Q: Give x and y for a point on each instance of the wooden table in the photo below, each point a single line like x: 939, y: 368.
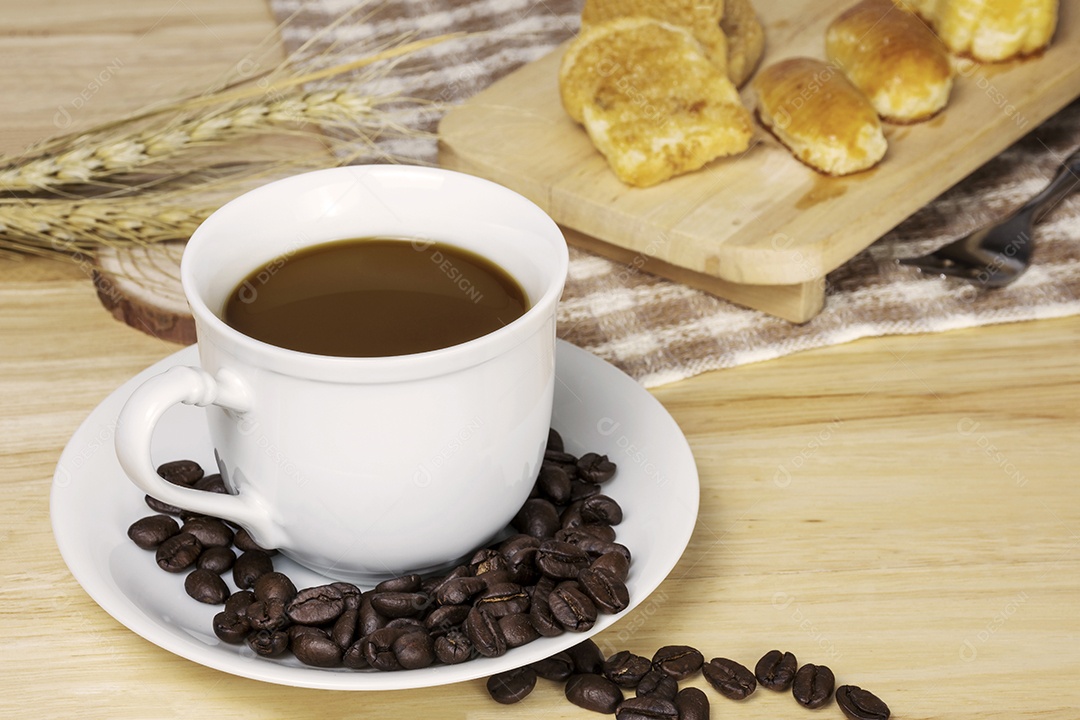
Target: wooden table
x: 905, y: 510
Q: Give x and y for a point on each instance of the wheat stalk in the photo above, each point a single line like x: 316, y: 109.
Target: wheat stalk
x: 156, y: 174
x: 90, y: 163
x: 48, y: 227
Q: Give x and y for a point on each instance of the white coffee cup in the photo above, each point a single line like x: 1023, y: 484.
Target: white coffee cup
x: 363, y: 468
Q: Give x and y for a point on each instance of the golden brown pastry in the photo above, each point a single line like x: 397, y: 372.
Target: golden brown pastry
x: 990, y: 30
x: 893, y: 57
x: 650, y: 100
x: 700, y: 17
x: 745, y: 39
x: 813, y: 109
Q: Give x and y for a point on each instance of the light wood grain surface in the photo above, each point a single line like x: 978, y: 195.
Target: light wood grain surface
x: 904, y: 510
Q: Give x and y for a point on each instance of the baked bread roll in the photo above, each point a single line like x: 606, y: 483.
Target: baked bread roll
x: 650, y: 100
x: 897, y: 62
x: 824, y: 120
x: 700, y: 17
x: 990, y: 30
x: 745, y: 39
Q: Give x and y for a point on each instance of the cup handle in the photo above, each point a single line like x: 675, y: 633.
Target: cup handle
x: 135, y: 429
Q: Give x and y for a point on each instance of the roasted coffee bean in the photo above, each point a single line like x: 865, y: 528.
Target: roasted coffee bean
x: 601, y: 509
x: 485, y: 633
x: 657, y: 683
x: 558, y: 667
x: 607, y: 593
x: 692, y: 704
x: 732, y: 680
x: 230, y: 627
x: 181, y: 472
x: 572, y: 608
x: 316, y: 605
x: 561, y: 560
x: 296, y: 631
x: 554, y: 441
x: 487, y: 560
x: 582, y: 490
x: 238, y: 602
x: 521, y: 567
x: 593, y: 692
x: 316, y: 649
x: 614, y: 564
x: 587, y: 656
x: 571, y: 514
x: 516, y: 543
x: 859, y: 704
x: 596, y: 468
x: 594, y: 539
x: 354, y: 658
x: 399, y: 604
x: 206, y: 587
x: 370, y: 619
x: 178, y: 553
x: 267, y: 615
x: 274, y: 586
x: 647, y: 707
x: 776, y: 670
x: 518, y: 630
x: 813, y: 685
x: 540, y: 609
x: 268, y: 643
x: 678, y: 661
x: 409, y: 624
x: 446, y: 617
x: 496, y: 577
x: 626, y: 669
x: 378, y: 648
x: 249, y: 567
x: 343, y: 632
x: 162, y: 507
x: 538, y: 517
x: 511, y: 686
x: 414, y: 649
x: 503, y: 599
x: 460, y: 590
x: 151, y: 531
x: 402, y: 583
x: 218, y: 560
x: 244, y: 543
x: 452, y: 648
x: 560, y: 457
x: 211, y: 484
x: 349, y: 593
x: 210, y: 531
x: 554, y: 484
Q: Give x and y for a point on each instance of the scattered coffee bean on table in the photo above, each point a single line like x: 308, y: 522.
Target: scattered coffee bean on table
x: 731, y: 679
x: 776, y: 670
x: 594, y: 692
x: 512, y: 686
x: 813, y: 685
x: 559, y: 573
x: 859, y: 704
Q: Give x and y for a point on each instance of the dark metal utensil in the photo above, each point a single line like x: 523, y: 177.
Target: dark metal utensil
x: 996, y: 255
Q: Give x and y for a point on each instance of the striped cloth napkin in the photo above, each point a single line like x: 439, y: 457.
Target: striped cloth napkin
x: 659, y: 331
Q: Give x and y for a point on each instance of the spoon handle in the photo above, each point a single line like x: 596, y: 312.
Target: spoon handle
x: 1065, y: 181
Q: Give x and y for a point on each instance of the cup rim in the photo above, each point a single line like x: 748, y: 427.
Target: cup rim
x: 381, y: 368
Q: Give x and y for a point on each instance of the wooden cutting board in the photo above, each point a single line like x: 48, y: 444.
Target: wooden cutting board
x: 760, y: 229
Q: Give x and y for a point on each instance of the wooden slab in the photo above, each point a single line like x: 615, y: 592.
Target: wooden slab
x: 762, y: 218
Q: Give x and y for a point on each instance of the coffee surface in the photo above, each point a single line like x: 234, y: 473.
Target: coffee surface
x: 374, y: 297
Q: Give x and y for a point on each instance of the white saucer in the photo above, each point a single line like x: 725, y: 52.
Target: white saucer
x: 597, y: 408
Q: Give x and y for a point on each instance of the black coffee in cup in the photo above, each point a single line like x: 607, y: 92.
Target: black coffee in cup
x: 374, y: 297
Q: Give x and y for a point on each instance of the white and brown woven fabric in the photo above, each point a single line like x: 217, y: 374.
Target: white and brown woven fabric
x: 659, y: 331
